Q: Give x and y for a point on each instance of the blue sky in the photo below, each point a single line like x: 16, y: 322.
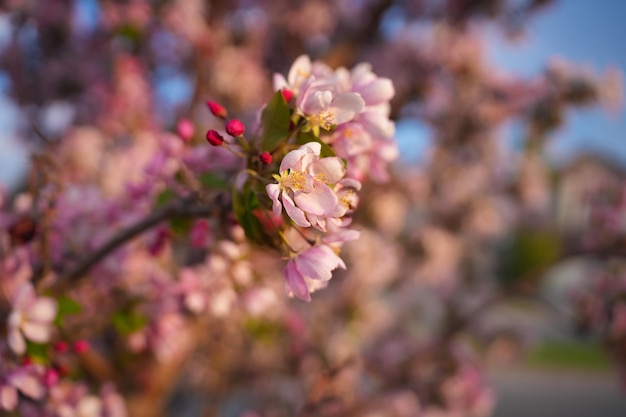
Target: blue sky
x: 582, y: 32
x: 588, y: 33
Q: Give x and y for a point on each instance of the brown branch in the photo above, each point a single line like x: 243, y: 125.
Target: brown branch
x: 185, y: 207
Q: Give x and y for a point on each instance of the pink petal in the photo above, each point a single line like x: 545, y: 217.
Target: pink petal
x: 318, y: 262
x: 341, y: 236
x: 23, y: 297
x: 28, y: 384
x: 312, y: 147
x: 332, y: 169
x: 273, y: 191
x: 16, y: 341
x: 43, y: 310
x: 8, y: 397
x: 36, y: 332
x: 377, y: 92
x: 299, y: 71
x: 295, y: 282
x: 296, y: 214
x: 293, y: 160
x: 346, y: 106
x: 362, y: 74
x: 279, y: 82
x: 320, y: 201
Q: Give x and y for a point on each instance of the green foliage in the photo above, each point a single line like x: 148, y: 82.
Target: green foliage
x: 276, y: 120
x: 66, y: 306
x: 163, y: 198
x: 569, y: 355
x: 264, y: 331
x: 245, y: 202
x: 181, y: 225
x: 306, y: 137
x: 38, y: 352
x: 529, y: 252
x: 127, y: 322
x: 212, y: 181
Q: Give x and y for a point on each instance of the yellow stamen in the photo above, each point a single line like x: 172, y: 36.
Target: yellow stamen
x: 292, y: 179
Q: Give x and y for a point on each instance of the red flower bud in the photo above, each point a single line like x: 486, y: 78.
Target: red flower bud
x: 266, y: 158
x: 217, y: 109
x: 60, y: 347
x: 81, y: 346
x: 234, y: 127
x: 287, y: 94
x: 214, y: 138
x: 50, y: 377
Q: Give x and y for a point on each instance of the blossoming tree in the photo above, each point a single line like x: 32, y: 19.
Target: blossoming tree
x: 156, y: 258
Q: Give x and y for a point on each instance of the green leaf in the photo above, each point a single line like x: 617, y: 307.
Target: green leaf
x: 212, y: 181
x: 275, y: 121
x: 306, y: 137
x: 127, y: 322
x: 66, y: 306
x: 244, y: 204
x: 37, y: 351
x: 529, y: 252
x: 164, y: 197
x: 181, y: 225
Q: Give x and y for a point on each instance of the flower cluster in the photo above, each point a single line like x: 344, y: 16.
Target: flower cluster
x: 350, y: 109
x: 349, y: 113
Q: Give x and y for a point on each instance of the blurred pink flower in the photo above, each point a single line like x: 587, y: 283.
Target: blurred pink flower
x: 31, y: 317
x: 315, y: 263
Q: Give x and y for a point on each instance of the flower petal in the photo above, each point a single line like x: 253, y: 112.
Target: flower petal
x: 16, y: 340
x: 8, y: 397
x: 320, y: 201
x: 23, y: 297
x: 273, y: 191
x: 28, y: 384
x: 296, y: 214
x: 43, y: 310
x: 37, y: 332
x: 293, y: 160
x: 331, y: 168
x: 379, y: 91
x: 318, y: 262
x: 294, y: 282
x: 346, y: 106
x: 300, y: 70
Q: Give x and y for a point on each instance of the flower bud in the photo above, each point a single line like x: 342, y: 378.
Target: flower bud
x: 287, y: 94
x: 266, y: 158
x: 214, y: 138
x: 185, y: 129
x: 235, y: 128
x: 217, y: 109
x: 81, y: 346
x: 60, y: 347
x: 50, y: 377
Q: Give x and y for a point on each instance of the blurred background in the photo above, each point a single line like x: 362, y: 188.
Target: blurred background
x: 501, y: 232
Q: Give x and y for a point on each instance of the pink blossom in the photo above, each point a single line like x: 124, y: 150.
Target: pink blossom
x: 314, y: 264
x: 304, y: 186
x: 324, y: 108
x: 31, y: 317
x: 299, y: 72
x: 26, y: 380
x: 185, y: 129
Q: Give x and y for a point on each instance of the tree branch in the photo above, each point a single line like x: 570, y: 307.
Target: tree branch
x: 185, y: 207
